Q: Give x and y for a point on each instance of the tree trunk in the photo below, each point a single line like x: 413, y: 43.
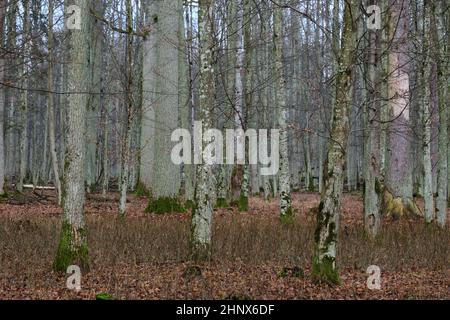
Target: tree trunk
x: 327, y: 228
x: 73, y: 249
x: 95, y: 98
x: 282, y: 114
x: 2, y: 101
x: 161, y: 76
x: 398, y: 189
x: 437, y: 32
x: 426, y: 110
x: 24, y: 97
x: 51, y: 105
x: 203, y: 211
x: 126, y: 149
x: 373, y: 181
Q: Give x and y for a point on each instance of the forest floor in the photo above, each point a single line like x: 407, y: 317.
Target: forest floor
x: 254, y: 256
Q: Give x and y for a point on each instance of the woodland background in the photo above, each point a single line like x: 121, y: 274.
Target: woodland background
x: 90, y: 92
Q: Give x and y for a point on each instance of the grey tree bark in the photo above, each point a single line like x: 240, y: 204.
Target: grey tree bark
x: 442, y: 65
x: 129, y: 112
x: 282, y: 114
x: 51, y: 104
x: 327, y: 227
x: 373, y: 180
x: 398, y: 187
x: 202, y: 215
x: 73, y: 248
x: 426, y: 111
x: 161, y: 110
x: 2, y: 101
x: 24, y: 96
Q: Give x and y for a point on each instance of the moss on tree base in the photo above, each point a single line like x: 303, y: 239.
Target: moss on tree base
x: 72, y: 249
x: 288, y: 217
x: 221, y: 203
x: 243, y: 203
x: 165, y: 205
x: 141, y: 190
x: 324, y: 271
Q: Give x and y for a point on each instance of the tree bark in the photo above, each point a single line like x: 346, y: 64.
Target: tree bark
x: 51, y: 104
x: 282, y: 114
x: 2, y: 101
x: 73, y: 248
x: 398, y: 188
x: 24, y: 97
x: 373, y: 181
x: 326, y: 234
x: 202, y: 215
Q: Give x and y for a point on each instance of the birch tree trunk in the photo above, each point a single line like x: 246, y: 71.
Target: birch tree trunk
x: 73, y: 248
x: 327, y: 228
x: 240, y: 170
x: 203, y: 211
x: 373, y: 181
x: 282, y: 114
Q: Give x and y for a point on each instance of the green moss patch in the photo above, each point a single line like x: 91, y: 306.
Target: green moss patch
x: 104, y: 296
x: 141, y: 190
x: 325, y: 272
x: 165, y: 205
x: 221, y: 203
x: 71, y: 252
x: 243, y: 203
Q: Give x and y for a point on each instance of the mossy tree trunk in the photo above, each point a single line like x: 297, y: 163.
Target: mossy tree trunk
x: 73, y: 249
x: 201, y: 225
x: 324, y: 260
x: 398, y: 180
x: 282, y: 116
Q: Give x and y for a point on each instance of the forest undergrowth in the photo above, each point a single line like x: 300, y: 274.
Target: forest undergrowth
x: 254, y: 256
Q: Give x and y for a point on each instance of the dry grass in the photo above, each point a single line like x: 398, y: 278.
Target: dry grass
x: 32, y: 242
x: 251, y: 241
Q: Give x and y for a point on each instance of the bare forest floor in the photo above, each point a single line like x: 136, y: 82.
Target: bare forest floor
x: 145, y: 256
